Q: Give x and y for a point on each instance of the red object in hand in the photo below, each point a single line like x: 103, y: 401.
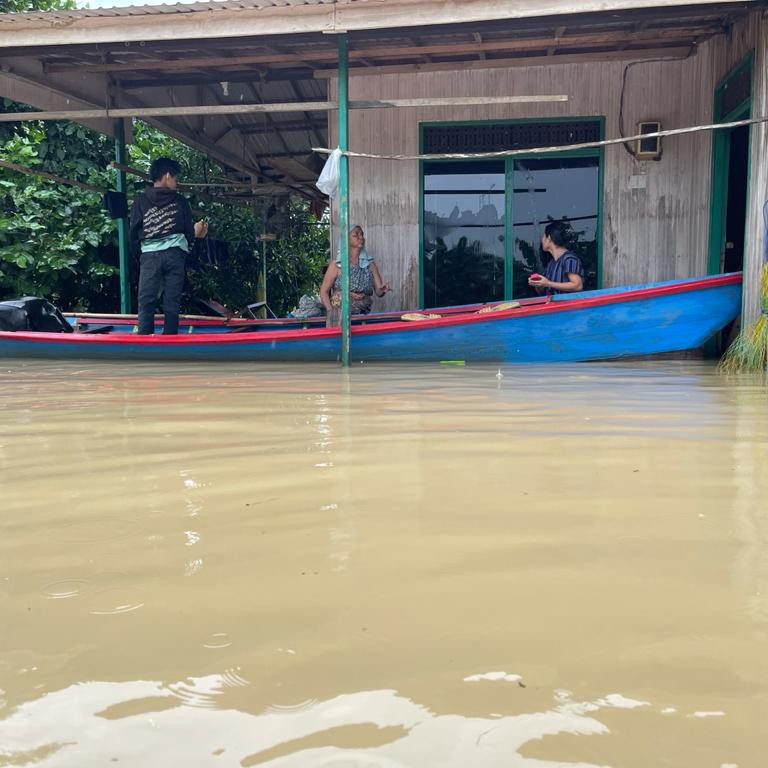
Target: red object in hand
x: 536, y: 276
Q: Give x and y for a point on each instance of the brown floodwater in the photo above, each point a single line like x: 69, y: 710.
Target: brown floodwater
x: 417, y: 566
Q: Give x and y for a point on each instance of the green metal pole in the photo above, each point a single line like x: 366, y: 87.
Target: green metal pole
x: 122, y: 224
x: 344, y: 197
x: 263, y: 296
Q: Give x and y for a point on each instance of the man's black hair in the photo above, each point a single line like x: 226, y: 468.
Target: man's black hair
x: 560, y: 233
x: 163, y: 165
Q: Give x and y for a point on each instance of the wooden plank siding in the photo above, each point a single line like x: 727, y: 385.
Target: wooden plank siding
x: 754, y: 255
x: 725, y: 53
x: 656, y: 233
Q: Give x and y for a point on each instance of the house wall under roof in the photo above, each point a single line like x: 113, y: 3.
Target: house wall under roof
x: 656, y: 233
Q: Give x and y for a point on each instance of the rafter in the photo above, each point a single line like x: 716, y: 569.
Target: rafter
x: 285, y: 125
x: 478, y: 38
x: 671, y: 52
x: 647, y: 36
x: 559, y: 32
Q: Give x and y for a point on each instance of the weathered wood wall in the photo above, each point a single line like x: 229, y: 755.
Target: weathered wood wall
x: 656, y: 233
x: 754, y: 255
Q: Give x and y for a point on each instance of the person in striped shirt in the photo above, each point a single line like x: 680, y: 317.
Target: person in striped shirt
x: 564, y: 272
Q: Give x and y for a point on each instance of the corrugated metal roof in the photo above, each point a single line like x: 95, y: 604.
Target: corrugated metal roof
x: 162, y: 9
x: 576, y: 6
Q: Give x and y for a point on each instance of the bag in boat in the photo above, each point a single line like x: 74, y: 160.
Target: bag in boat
x: 309, y: 306
x: 32, y: 314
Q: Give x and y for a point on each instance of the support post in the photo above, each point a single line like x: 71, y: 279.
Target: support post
x: 263, y: 291
x: 343, y: 98
x: 757, y: 193
x: 122, y: 224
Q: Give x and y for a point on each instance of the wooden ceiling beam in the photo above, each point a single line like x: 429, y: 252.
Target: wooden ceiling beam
x: 478, y: 38
x: 279, y: 135
x: 254, y: 129
x: 299, y: 97
x: 221, y: 135
x: 559, y: 32
x: 671, y: 52
x: 143, y: 110
x: 271, y: 76
x: 281, y: 52
x: 646, y: 36
x: 307, y: 116
x: 236, y: 120
x: 206, y: 146
x: 283, y: 155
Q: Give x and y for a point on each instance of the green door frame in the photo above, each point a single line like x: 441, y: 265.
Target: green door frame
x: 508, y: 190
x: 721, y: 147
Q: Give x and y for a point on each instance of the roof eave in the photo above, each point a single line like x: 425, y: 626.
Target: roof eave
x: 219, y: 21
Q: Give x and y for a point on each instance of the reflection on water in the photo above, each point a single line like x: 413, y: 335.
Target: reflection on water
x: 419, y: 737
x: 403, y: 566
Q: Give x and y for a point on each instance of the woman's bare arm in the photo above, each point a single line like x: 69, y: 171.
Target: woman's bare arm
x: 378, y: 284
x: 575, y: 283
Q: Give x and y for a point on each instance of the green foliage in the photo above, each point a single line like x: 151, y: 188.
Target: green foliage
x: 22, y: 6
x: 54, y: 240
x: 749, y: 351
x: 57, y: 242
x: 294, y: 262
x: 149, y: 143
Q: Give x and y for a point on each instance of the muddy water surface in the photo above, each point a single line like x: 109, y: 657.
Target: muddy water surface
x: 405, y: 566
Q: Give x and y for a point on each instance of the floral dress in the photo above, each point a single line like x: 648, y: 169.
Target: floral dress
x: 360, y: 293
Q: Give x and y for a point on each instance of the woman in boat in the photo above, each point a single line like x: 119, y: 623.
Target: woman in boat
x: 564, y: 272
x: 364, y: 280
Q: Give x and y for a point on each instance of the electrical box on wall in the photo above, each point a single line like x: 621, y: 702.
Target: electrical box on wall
x: 648, y: 149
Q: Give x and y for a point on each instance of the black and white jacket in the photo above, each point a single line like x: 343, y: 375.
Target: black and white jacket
x: 159, y: 212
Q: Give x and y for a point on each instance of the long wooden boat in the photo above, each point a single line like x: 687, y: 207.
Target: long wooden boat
x: 594, y: 325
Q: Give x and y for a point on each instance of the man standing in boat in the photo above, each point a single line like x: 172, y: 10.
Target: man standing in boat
x: 162, y: 230
x: 565, y: 272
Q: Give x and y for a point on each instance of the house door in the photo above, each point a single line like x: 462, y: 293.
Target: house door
x: 730, y: 179
x: 730, y: 172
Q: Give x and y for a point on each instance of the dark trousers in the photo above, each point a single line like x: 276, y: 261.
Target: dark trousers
x: 161, y: 270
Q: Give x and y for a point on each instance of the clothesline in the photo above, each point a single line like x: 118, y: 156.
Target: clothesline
x: 545, y: 150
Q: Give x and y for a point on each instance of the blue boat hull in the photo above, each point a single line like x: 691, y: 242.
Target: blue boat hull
x: 613, y: 323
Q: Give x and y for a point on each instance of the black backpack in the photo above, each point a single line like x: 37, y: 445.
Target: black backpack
x: 32, y: 314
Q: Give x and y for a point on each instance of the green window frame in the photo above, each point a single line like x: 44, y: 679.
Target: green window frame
x: 599, y: 153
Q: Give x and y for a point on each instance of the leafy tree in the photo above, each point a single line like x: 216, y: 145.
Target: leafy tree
x: 56, y: 240
x: 21, y: 6
x: 227, y: 267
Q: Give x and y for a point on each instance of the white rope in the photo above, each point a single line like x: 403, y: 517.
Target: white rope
x: 545, y: 150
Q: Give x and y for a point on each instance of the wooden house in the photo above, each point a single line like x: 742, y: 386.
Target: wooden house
x: 255, y: 84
